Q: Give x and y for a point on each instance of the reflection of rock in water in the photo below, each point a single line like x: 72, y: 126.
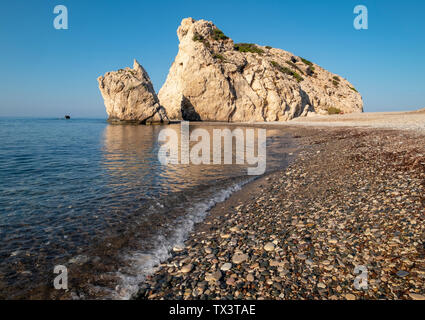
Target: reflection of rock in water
x: 125, y: 146
x: 130, y: 157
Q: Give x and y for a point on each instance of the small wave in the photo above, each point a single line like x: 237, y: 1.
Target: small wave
x: 143, y: 264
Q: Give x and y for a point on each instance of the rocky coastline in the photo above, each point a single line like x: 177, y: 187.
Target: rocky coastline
x: 215, y: 79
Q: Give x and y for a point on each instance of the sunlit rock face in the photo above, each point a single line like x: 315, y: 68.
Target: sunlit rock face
x: 129, y: 96
x: 212, y: 79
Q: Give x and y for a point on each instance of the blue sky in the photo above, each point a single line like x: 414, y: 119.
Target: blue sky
x: 46, y: 72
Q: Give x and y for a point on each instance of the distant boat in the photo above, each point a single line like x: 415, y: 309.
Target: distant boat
x: 67, y: 117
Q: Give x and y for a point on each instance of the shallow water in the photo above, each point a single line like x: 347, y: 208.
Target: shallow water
x: 86, y: 193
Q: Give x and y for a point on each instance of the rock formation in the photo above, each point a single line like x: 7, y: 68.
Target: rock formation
x: 212, y: 79
x: 130, y: 97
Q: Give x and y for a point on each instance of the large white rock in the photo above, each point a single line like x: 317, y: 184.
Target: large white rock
x: 129, y: 96
x: 212, y: 81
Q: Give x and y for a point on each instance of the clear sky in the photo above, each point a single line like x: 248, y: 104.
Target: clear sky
x: 46, y: 72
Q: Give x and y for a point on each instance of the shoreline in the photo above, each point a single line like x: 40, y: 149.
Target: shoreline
x: 289, y: 235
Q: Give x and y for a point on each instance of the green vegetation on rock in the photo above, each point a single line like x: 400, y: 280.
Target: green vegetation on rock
x: 309, y: 63
x: 287, y: 71
x: 293, y: 65
x: 333, y: 110
x: 219, y: 57
x: 219, y: 35
x: 248, y: 47
x: 197, y: 37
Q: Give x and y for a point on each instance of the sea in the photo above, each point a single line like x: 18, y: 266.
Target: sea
x: 94, y: 198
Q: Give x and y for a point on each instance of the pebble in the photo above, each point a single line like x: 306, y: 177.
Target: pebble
x: 269, y: 247
x: 178, y: 248
x: 274, y: 263
x: 321, y: 285
x: 239, y: 258
x: 79, y: 260
x: 187, y: 268
x: 416, y: 296
x: 402, y: 273
x: 215, y: 276
x: 226, y: 267
x: 14, y: 253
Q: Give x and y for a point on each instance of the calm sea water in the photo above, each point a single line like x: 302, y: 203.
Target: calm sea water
x: 94, y: 197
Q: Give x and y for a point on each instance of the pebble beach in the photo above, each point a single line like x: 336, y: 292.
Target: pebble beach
x: 353, y: 197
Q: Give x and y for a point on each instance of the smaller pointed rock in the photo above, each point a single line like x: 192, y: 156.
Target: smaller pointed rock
x: 129, y: 96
